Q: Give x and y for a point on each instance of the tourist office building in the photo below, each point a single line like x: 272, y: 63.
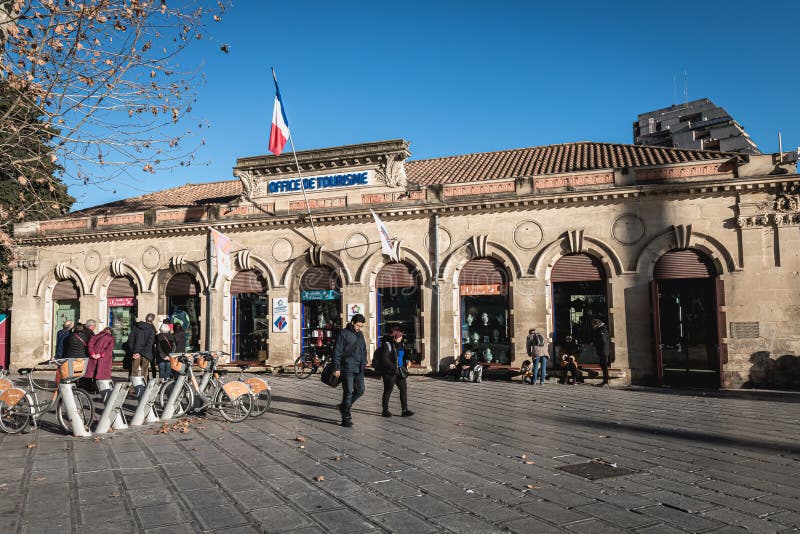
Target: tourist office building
x: 690, y: 257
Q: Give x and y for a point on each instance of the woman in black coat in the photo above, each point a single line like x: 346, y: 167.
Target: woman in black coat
x: 392, y: 365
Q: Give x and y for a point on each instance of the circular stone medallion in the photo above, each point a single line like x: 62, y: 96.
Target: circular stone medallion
x: 91, y: 261
x: 282, y: 249
x: 151, y: 257
x: 356, y: 246
x: 444, y: 241
x: 627, y: 229
x: 528, y: 234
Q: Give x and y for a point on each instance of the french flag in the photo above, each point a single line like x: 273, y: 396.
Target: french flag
x: 279, y: 133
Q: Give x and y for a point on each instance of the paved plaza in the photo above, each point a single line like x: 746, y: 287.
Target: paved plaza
x: 492, y: 457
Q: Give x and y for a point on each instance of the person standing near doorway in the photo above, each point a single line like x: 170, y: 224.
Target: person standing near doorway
x: 141, y: 343
x: 61, y: 338
x: 537, y: 349
x: 601, y: 346
x: 350, y: 360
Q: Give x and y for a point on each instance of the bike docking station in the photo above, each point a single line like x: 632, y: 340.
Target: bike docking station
x: 112, y: 414
x: 145, y: 413
x: 75, y: 420
x: 177, y: 388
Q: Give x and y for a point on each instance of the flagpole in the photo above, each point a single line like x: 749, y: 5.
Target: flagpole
x: 299, y: 175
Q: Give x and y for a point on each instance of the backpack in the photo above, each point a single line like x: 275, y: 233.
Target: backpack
x: 538, y: 340
x: 376, y: 359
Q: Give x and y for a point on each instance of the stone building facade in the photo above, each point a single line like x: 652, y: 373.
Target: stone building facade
x: 690, y: 257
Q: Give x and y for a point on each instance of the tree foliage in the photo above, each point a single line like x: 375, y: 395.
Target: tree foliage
x: 90, y: 90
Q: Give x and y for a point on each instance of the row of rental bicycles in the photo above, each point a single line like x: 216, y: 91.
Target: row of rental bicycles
x: 197, y: 385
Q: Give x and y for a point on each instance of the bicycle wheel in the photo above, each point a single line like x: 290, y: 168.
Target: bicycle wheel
x: 15, y: 419
x: 182, y: 404
x: 261, y: 403
x: 85, y: 406
x: 234, y: 410
x: 44, y: 378
x: 303, y: 368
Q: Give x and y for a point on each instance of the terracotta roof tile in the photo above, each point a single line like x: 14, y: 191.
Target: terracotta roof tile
x: 177, y: 197
x: 506, y: 164
x: 552, y: 159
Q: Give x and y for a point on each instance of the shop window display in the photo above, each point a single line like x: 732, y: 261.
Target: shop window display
x: 250, y: 327
x: 121, y: 315
x: 484, y: 327
x: 575, y: 305
x: 321, y: 320
x: 400, y: 307
x: 186, y: 312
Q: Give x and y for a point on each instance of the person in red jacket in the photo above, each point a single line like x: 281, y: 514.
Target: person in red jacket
x: 101, y: 355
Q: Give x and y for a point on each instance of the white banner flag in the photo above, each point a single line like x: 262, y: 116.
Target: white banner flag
x: 221, y: 245
x: 386, y: 238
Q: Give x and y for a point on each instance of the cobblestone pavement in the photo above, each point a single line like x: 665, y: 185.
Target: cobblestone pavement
x: 475, y: 458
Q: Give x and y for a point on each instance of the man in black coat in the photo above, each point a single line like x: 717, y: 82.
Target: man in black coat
x: 602, y: 346
x: 350, y: 360
x: 140, y: 342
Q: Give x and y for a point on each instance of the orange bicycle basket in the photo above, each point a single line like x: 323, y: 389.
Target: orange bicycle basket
x: 177, y: 366
x: 72, y: 368
x: 201, y: 362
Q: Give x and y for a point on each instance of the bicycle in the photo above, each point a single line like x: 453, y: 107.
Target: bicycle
x: 307, y: 364
x: 42, y: 375
x: 233, y: 400
x: 259, y: 388
x: 21, y: 407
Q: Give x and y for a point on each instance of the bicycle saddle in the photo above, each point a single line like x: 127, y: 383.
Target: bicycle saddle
x: 25, y: 371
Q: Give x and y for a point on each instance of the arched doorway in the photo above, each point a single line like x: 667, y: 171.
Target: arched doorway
x: 397, y: 289
x: 66, y: 306
x: 122, y: 311
x: 579, y: 296
x: 249, y: 311
x: 321, y: 310
x: 485, y: 329
x: 685, y: 313
x: 183, y: 306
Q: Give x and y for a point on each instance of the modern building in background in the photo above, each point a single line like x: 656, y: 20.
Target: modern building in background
x: 697, y: 125
x: 690, y: 256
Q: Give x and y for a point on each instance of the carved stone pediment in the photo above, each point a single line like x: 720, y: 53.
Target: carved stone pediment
x: 386, y: 159
x: 782, y: 210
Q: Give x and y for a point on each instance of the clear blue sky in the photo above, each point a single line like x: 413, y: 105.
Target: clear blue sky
x: 461, y: 77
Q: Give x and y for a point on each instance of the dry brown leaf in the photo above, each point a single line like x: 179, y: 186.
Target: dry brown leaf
x: 115, y: 494
x: 301, y: 439
x: 39, y: 479
x: 301, y: 447
x: 530, y: 486
x: 338, y: 458
x: 30, y: 446
x: 528, y: 462
x: 524, y: 456
x: 319, y: 478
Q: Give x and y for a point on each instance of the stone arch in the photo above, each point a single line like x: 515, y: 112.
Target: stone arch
x: 452, y: 264
x: 291, y: 277
x: 104, y: 278
x: 62, y: 271
x: 543, y: 263
x: 161, y: 277
x: 719, y: 255
x: 375, y: 262
x: 254, y: 263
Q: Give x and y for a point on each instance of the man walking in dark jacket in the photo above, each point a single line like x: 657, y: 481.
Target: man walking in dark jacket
x: 350, y: 360
x: 602, y: 346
